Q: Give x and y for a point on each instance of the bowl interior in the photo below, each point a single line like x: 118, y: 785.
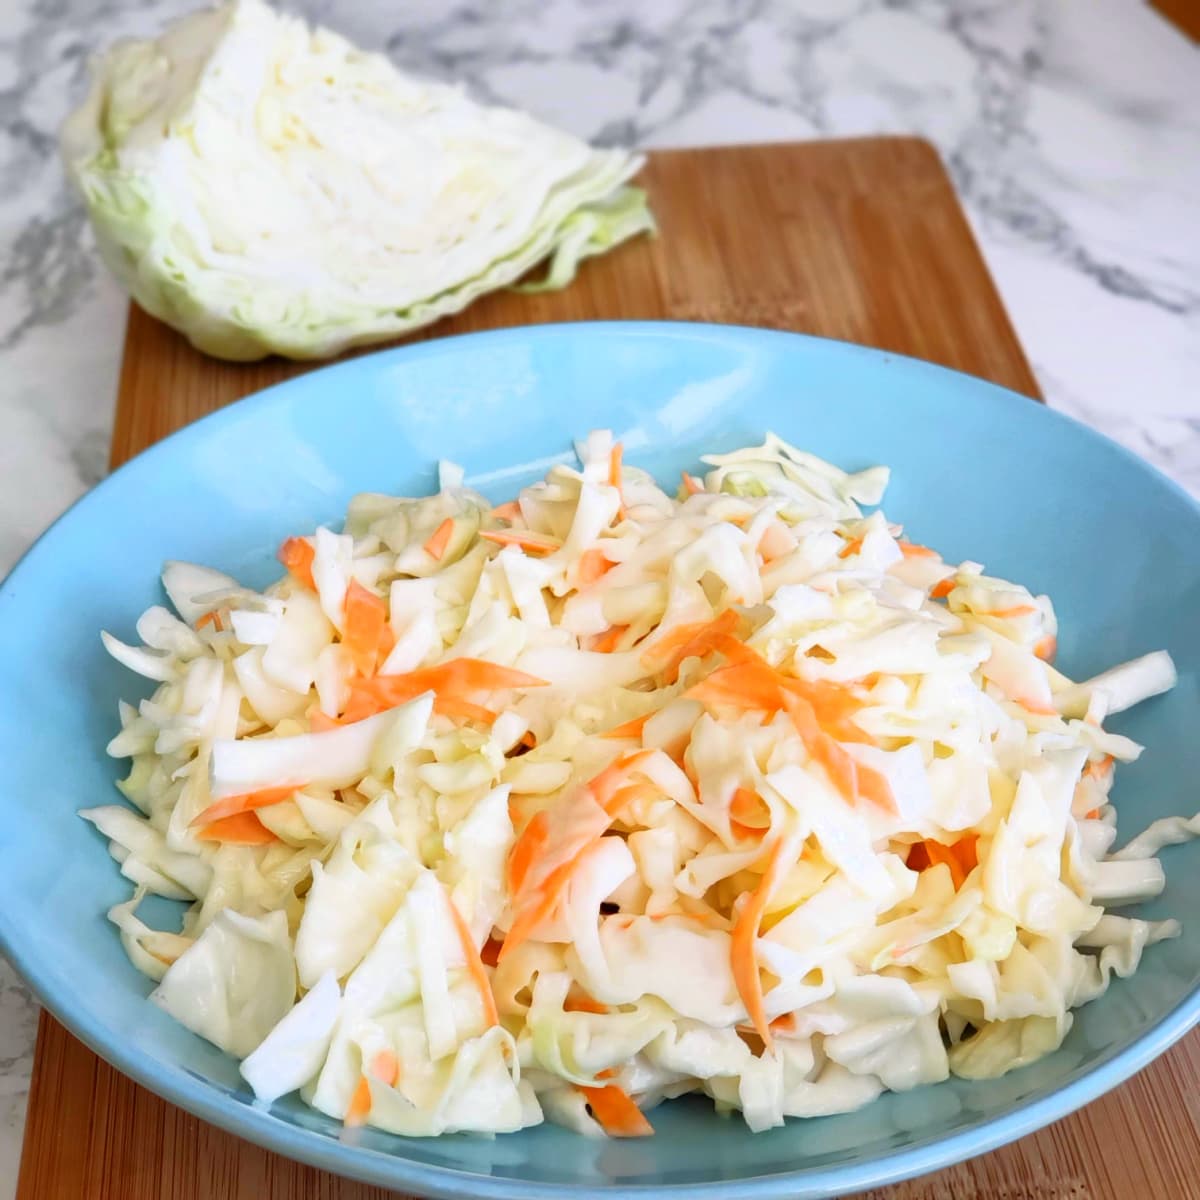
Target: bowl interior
x: 977, y: 472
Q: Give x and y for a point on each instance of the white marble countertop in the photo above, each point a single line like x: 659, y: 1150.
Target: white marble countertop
x: 1072, y: 132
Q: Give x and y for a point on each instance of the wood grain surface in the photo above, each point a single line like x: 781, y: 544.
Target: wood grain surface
x: 1183, y: 14
x: 862, y: 240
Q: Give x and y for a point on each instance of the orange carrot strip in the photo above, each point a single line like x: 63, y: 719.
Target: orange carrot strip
x: 544, y: 900
x: 961, y: 858
x: 741, y: 685
x: 873, y: 786
x: 454, y: 706
x: 593, y: 565
x: 509, y: 511
x: 853, y: 546
x: 616, y: 1112
x: 439, y: 539
x: 1017, y: 610
x: 531, y: 842
x: 321, y: 722
x: 912, y: 550
x: 579, y: 1001
x: 359, y: 1107
x: 966, y: 850
x: 245, y: 802
x: 297, y: 555
x: 942, y: 588
x: 715, y: 636
x: 628, y: 729
x: 614, y: 476
x: 385, y: 1066
x: 531, y: 543
x: 606, y: 642
x: 1046, y: 648
x: 605, y: 786
x: 447, y: 680
x: 366, y: 618
x: 748, y: 810
x: 212, y: 618
x: 743, y: 957
x: 474, y: 965
x: 632, y: 792
x: 691, y: 484
x: 1099, y: 770
x: 242, y: 829
x: 1091, y: 814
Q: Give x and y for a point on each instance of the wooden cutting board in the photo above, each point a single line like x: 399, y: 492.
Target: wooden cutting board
x: 862, y: 240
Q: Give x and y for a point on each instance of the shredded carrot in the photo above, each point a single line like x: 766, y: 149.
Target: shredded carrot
x: 852, y: 546
x: 439, y: 539
x: 242, y: 829
x: 593, y: 565
x: 321, y: 722
x: 748, y: 810
x: 359, y: 1107
x: 605, y: 786
x: 528, y: 739
x: 455, y: 706
x: 1046, y: 648
x: 544, y: 900
x: 1091, y: 814
x: 366, y: 619
x: 449, y: 681
x: 526, y: 848
x: 385, y: 1066
x: 633, y: 792
x: 616, y: 1112
x: 746, y: 833
x: 474, y: 965
x: 533, y: 905
x: 297, y: 555
x: 614, y: 477
x: 691, y: 484
x: 628, y: 729
x: 740, y: 685
x: 912, y: 550
x: 530, y: 542
x: 711, y: 636
x: 942, y: 588
x: 606, y: 642
x: 873, y: 786
x: 212, y: 618
x: 743, y: 955
x: 1017, y: 610
x: 579, y: 1001
x: 509, y: 511
x: 245, y: 802
x: 1101, y: 769
x: 960, y: 858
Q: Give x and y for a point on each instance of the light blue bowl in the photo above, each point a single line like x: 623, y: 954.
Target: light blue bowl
x: 977, y: 472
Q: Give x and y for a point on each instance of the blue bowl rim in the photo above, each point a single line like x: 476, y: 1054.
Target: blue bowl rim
x: 255, y: 1124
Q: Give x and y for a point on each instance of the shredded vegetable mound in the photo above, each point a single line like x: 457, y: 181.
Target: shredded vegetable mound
x: 552, y: 810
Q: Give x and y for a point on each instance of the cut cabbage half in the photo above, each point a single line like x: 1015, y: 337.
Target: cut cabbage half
x: 266, y: 188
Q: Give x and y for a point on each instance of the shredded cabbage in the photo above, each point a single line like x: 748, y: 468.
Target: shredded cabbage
x: 560, y: 809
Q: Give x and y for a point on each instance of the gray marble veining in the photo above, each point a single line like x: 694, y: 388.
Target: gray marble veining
x: 1072, y: 132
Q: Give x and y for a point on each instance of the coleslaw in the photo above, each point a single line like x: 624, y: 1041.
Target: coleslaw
x: 554, y: 810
